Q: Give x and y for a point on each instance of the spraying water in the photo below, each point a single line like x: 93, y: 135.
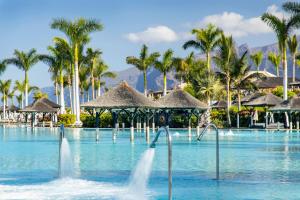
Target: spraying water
x: 66, y: 163
x: 139, y: 177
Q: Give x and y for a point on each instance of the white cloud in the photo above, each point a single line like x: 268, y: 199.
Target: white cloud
x: 153, y: 35
x: 237, y: 25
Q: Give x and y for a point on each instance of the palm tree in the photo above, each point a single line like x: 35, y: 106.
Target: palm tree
x: 20, y: 100
x: 39, y: 94
x: 4, y: 88
x: 143, y: 63
x: 282, y: 28
x: 78, y: 33
x: 69, y: 67
x: 164, y: 66
x: 182, y: 66
x: 92, y: 57
x: 11, y: 95
x: 206, y: 40
x: 57, y: 64
x: 100, y: 72
x: 257, y: 59
x: 24, y: 61
x: 241, y: 79
x: 20, y: 87
x: 223, y: 60
x: 275, y: 60
x: 83, y: 84
x: 293, y: 47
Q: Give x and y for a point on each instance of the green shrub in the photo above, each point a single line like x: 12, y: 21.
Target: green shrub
x: 90, y: 121
x: 279, y: 92
x: 66, y: 119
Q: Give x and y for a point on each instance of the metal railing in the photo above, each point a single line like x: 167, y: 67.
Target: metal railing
x: 217, y: 145
x: 153, y: 145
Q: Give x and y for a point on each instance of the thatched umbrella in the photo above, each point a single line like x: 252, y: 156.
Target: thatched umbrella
x: 42, y: 105
x: 266, y: 101
x: 219, y: 105
x: 13, y: 108
x: 291, y: 105
x: 127, y: 99
x: 288, y: 106
x: 183, y: 101
x: 121, y: 97
x: 179, y: 99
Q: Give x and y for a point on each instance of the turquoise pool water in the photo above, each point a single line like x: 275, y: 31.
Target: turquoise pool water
x: 253, y: 165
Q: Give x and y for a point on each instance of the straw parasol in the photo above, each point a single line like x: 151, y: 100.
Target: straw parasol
x: 42, y: 105
x: 121, y: 97
x: 288, y: 105
x: 179, y: 99
x: 266, y: 100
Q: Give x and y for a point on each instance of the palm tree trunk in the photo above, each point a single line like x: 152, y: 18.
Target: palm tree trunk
x: 70, y: 92
x: 93, y: 80
x: 74, y: 93
x: 228, y: 102
x: 62, y: 97
x: 145, y: 82
x: 22, y: 102
x: 294, y: 66
x: 93, y: 87
x: 56, y: 91
x: 208, y: 61
x: 4, y: 111
x: 99, y: 88
x: 77, y: 105
x: 277, y: 71
x: 165, y: 84
x: 285, y: 82
x: 239, y: 109
x: 26, y: 88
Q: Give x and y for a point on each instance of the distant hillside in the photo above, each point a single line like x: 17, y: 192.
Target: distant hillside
x: 155, y: 80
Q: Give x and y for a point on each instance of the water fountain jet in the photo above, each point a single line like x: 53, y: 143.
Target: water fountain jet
x: 153, y: 145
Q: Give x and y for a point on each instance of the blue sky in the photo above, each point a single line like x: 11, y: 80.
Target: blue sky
x: 162, y: 24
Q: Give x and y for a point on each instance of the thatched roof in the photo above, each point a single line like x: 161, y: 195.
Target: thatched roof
x: 179, y: 99
x: 271, y: 82
x: 251, y: 97
x: 122, y: 96
x: 42, y: 105
x: 219, y: 104
x: 265, y: 100
x: 288, y: 105
x: 13, y: 108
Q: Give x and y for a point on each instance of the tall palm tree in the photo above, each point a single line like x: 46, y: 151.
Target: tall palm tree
x: 92, y: 56
x: 182, y: 66
x: 282, y: 28
x: 275, y: 60
x: 4, y: 88
x: 206, y: 41
x: 57, y: 63
x: 78, y: 33
x: 143, y: 63
x: 101, y: 72
x: 223, y: 60
x: 293, y: 47
x: 257, y: 59
x: 69, y: 67
x: 241, y: 79
x: 24, y: 61
x: 11, y: 95
x: 20, y: 87
x: 164, y: 66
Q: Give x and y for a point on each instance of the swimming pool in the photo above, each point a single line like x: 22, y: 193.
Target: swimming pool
x: 253, y: 165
